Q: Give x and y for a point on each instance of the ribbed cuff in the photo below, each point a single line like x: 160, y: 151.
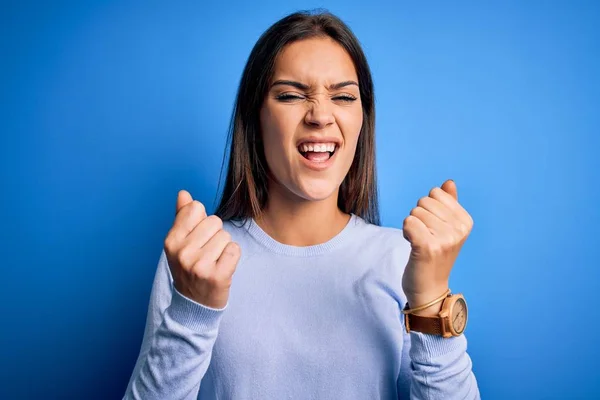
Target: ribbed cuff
x: 193, y: 315
x: 425, y: 348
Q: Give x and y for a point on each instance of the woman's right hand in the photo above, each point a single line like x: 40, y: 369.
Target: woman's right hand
x: 201, y: 255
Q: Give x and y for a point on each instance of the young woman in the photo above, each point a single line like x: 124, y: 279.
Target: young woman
x: 293, y: 290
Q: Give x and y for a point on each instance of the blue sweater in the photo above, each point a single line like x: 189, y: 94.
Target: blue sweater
x: 316, y: 322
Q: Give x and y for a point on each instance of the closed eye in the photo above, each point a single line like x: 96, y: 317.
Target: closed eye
x: 287, y: 97
x: 345, y: 98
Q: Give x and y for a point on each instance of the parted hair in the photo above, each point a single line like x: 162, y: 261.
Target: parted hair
x: 245, y: 191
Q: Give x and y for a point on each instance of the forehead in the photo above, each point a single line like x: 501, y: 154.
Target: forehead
x: 316, y: 60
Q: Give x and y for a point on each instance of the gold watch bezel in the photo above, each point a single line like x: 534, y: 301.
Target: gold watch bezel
x: 445, y: 315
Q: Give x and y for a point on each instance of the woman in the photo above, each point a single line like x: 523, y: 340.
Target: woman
x: 292, y: 290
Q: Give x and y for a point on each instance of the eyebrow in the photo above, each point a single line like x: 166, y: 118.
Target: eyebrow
x: 303, y: 86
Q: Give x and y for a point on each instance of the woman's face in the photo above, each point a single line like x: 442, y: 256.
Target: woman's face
x: 311, y: 118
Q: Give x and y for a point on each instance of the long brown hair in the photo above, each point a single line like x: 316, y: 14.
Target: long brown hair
x: 245, y: 192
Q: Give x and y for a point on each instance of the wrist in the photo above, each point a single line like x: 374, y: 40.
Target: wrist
x: 419, y: 299
x: 430, y: 311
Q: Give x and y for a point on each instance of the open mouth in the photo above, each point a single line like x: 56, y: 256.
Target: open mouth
x: 317, y: 152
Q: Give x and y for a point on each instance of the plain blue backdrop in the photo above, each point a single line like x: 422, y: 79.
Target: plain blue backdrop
x: 109, y: 108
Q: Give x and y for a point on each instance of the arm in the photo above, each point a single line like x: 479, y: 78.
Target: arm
x: 436, y: 229
x: 436, y: 368
x: 177, y: 344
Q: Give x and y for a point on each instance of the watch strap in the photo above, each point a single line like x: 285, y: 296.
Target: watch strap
x: 429, y: 325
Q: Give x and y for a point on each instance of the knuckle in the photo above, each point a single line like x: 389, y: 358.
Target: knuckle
x: 422, y: 201
x: 213, y: 280
x: 234, y: 249
x: 197, y: 206
x: 448, y: 243
x: 169, y: 243
x: 201, y: 261
x: 215, y: 221
x: 226, y: 236
x: 194, y: 210
x: 435, y: 248
x: 225, y: 281
x: 185, y: 257
x: 191, y: 207
x: 435, y: 191
x: 416, y: 211
x: 200, y: 270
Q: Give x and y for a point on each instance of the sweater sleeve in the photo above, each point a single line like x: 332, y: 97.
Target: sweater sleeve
x: 177, y: 344
x: 436, y: 368
x: 431, y: 367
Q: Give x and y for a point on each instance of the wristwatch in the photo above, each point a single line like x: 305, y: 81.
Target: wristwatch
x: 451, y: 320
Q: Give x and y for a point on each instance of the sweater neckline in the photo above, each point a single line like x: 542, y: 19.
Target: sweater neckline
x: 273, y: 245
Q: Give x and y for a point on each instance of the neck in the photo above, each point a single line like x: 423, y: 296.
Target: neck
x: 299, y: 222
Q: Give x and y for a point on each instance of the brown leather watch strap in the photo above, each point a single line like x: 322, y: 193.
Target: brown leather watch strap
x: 430, y: 325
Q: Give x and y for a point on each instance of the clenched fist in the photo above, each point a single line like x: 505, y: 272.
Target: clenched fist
x: 437, y: 228
x: 201, y: 255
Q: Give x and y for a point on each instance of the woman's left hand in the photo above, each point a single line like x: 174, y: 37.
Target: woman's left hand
x: 437, y: 228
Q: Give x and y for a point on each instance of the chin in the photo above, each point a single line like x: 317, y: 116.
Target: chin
x: 317, y: 190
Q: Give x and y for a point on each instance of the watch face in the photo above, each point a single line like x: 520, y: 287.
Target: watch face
x: 459, y: 316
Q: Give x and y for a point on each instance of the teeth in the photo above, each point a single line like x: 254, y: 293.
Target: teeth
x: 318, y: 147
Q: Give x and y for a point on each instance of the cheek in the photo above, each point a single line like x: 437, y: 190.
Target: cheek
x: 277, y: 129
x: 350, y: 123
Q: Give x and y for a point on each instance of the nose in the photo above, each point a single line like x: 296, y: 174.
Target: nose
x: 319, y: 115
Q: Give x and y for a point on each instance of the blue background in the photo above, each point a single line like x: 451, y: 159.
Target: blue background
x: 109, y: 108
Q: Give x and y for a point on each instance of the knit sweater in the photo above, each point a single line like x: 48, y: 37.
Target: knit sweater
x: 314, y: 322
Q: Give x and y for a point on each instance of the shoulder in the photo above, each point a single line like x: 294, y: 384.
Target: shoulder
x: 236, y: 228
x: 384, y: 238
x: 239, y: 231
x: 388, y: 252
